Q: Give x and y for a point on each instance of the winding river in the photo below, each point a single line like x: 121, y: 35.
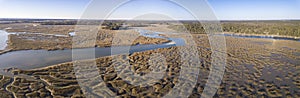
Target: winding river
x: 30, y: 59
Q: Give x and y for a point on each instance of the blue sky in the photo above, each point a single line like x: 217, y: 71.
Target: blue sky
x: 223, y: 9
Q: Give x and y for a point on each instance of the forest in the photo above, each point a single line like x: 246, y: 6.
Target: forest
x: 282, y: 28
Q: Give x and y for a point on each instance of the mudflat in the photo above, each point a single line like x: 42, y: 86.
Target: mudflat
x: 255, y: 67
x: 30, y: 36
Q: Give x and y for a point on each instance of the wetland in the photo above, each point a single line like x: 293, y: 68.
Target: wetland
x: 257, y: 66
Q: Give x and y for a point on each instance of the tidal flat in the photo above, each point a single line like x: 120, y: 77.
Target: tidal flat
x: 29, y: 36
x: 255, y: 67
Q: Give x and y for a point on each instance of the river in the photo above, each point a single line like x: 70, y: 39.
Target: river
x: 30, y: 59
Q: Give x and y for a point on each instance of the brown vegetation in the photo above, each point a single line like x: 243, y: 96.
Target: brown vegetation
x: 103, y: 38
x: 252, y: 70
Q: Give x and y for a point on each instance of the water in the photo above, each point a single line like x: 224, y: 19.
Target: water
x: 30, y: 59
x: 72, y: 33
x: 146, y: 33
x: 151, y: 34
x: 264, y: 37
x: 4, y: 36
x: 3, y: 39
x: 57, y: 35
x: 297, y: 54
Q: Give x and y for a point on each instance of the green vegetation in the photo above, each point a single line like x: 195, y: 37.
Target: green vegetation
x: 195, y: 28
x: 60, y: 23
x: 111, y: 26
x: 282, y: 28
x: 139, y: 25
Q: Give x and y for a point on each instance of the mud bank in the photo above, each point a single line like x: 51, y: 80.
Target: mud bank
x: 255, y: 67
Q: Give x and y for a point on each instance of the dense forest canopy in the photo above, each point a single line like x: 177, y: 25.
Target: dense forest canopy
x: 284, y: 28
x: 266, y: 28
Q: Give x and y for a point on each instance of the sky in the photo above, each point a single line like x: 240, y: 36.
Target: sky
x: 150, y: 9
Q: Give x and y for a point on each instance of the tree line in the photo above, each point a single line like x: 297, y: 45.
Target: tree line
x: 284, y: 28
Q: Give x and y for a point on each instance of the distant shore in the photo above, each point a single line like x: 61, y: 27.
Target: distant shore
x: 263, y: 35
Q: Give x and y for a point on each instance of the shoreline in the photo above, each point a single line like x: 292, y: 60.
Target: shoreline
x: 151, y: 41
x: 11, y: 50
x: 241, y: 61
x: 165, y: 43
x: 263, y: 35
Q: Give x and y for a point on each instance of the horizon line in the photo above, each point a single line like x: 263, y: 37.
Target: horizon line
x: 153, y: 19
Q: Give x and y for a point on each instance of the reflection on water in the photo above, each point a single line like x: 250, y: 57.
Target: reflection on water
x: 3, y: 39
x: 265, y: 37
x: 72, y: 34
x: 152, y: 34
x: 297, y: 54
x: 57, y: 35
x: 279, y: 76
x: 29, y: 59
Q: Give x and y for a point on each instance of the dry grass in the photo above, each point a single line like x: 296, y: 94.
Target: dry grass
x: 255, y: 67
x: 102, y: 38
